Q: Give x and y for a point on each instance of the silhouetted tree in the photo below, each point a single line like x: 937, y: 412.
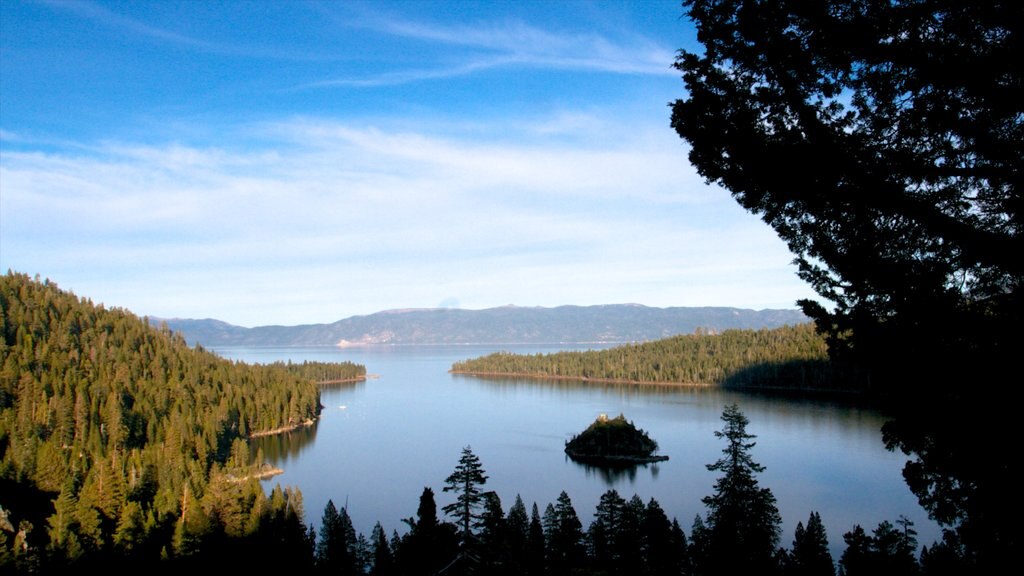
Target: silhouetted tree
x: 663, y: 543
x: 742, y: 521
x: 810, y: 555
x: 884, y: 142
x: 945, y: 558
x: 466, y: 481
x: 563, y: 534
x: 430, y: 545
x: 494, y: 536
x: 889, y: 550
x: 536, y: 547
x: 380, y: 549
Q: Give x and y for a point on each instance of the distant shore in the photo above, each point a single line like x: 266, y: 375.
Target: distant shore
x: 540, y: 376
x: 795, y: 390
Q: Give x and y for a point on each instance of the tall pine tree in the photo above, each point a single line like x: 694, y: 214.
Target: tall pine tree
x: 742, y: 523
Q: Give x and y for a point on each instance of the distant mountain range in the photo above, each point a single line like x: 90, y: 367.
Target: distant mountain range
x: 505, y: 325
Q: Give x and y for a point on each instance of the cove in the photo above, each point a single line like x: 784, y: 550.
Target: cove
x: 379, y: 442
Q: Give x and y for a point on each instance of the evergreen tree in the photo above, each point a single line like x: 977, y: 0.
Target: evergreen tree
x: 430, y: 545
x: 494, y: 537
x: 536, y: 548
x: 742, y: 519
x: 888, y: 550
x: 563, y: 533
x: 663, y: 543
x: 883, y: 141
x: 380, y: 548
x: 334, y: 551
x: 517, y: 530
x: 810, y: 555
x: 465, y: 482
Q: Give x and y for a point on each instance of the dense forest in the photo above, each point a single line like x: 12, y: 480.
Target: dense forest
x: 794, y: 357
x: 122, y: 448
x: 117, y: 440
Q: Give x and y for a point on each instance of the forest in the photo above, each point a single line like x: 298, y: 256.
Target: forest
x: 118, y: 440
x: 790, y: 357
x: 123, y: 448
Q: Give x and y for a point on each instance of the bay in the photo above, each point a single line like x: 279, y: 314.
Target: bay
x: 378, y: 443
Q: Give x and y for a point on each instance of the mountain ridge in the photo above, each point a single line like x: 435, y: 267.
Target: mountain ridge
x: 568, y: 324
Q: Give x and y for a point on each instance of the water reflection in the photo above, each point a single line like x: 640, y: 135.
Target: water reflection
x: 614, y: 475
x: 282, y: 448
x: 378, y: 443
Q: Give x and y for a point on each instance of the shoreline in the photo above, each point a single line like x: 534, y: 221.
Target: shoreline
x: 362, y: 378
x: 266, y: 471
x: 669, y: 384
x: 284, y: 429
x: 539, y: 376
x: 614, y: 461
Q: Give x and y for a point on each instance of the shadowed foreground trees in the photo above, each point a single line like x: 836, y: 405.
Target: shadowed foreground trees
x: 884, y: 142
x: 741, y: 530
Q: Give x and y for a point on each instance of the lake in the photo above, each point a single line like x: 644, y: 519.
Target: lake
x: 380, y: 442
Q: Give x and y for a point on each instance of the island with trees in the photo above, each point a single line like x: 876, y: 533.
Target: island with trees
x: 613, y: 442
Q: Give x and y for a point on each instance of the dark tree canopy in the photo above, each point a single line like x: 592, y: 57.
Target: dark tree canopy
x: 884, y: 141
x: 465, y: 481
x: 742, y: 524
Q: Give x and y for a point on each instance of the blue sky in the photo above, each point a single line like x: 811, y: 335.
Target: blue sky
x: 298, y: 162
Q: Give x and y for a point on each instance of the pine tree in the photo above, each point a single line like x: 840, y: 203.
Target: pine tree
x: 564, y: 535
x: 536, y: 549
x: 466, y: 481
x: 810, y: 555
x: 383, y: 560
x: 742, y: 519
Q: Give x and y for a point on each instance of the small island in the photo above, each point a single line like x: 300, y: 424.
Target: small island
x: 613, y: 442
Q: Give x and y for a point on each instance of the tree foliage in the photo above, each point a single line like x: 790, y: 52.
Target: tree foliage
x: 612, y: 441
x: 742, y: 525
x: 786, y: 357
x: 884, y: 142
x: 138, y: 440
x: 465, y: 481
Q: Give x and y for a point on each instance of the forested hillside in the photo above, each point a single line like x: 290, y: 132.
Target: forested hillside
x: 139, y: 441
x: 788, y: 357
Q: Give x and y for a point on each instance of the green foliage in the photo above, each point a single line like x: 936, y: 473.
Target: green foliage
x: 138, y: 439
x: 789, y: 357
x: 612, y: 440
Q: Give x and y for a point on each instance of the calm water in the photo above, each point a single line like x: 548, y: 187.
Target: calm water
x: 380, y: 442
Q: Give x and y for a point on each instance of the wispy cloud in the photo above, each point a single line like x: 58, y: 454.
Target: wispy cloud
x: 355, y: 219
x: 530, y: 45
x: 490, y: 45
